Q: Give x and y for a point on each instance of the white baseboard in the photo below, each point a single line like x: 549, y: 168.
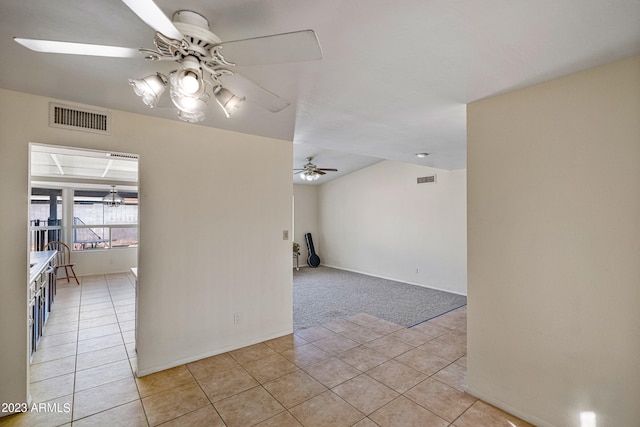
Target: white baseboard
x: 395, y: 280
x: 508, y: 408
x: 173, y: 364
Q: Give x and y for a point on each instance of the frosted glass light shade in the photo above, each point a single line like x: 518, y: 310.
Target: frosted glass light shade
x: 149, y: 88
x: 227, y: 100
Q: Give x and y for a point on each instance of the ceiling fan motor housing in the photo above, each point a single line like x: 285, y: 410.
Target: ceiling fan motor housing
x: 190, y: 17
x: 196, y: 28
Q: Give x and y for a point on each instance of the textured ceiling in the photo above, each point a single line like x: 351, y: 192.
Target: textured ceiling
x: 394, y: 79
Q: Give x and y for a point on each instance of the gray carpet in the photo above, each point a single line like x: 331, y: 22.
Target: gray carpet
x: 323, y: 294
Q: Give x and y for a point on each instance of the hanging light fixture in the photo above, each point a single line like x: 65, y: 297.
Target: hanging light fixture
x: 187, y: 40
x: 188, y: 90
x: 310, y: 172
x: 149, y: 88
x: 190, y: 107
x: 188, y: 79
x: 199, y: 72
x: 113, y: 199
x: 227, y: 100
x: 309, y: 175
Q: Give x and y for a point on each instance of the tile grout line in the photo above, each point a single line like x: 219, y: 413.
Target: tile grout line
x: 107, y: 409
x: 133, y: 374
x: 298, y: 368
x: 77, y: 347
x: 75, y: 366
x: 203, y: 392
x: 393, y: 358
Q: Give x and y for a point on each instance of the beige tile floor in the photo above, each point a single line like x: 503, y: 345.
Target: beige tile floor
x: 358, y: 371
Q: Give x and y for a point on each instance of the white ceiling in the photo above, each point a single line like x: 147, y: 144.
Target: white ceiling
x: 70, y: 167
x: 394, y: 79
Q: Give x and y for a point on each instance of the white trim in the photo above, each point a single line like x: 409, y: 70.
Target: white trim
x: 80, y: 183
x: 129, y: 225
x: 44, y: 227
x: 422, y: 285
x: 508, y: 408
x: 153, y: 370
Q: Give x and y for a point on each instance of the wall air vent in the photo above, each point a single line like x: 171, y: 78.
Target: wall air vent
x: 427, y: 179
x: 123, y: 156
x: 67, y: 117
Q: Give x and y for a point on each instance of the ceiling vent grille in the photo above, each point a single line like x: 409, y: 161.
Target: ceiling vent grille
x: 123, y: 155
x: 66, y: 117
x: 427, y: 179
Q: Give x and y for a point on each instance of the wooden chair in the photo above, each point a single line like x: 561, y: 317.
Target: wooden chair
x: 63, y: 259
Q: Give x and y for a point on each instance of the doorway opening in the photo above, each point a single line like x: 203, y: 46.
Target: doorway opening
x: 88, y: 200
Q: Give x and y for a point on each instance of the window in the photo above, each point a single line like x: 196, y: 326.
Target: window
x: 98, y: 226
x: 45, y: 217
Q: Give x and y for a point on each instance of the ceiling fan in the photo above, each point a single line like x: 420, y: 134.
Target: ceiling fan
x: 310, y: 172
x: 204, y: 61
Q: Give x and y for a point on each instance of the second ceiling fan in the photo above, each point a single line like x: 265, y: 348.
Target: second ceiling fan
x: 204, y: 61
x: 310, y: 172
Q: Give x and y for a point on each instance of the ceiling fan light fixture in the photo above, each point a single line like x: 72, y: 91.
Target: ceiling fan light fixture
x: 191, y: 117
x: 188, y: 41
x: 190, y: 108
x: 149, y: 88
x: 188, y: 79
x: 228, y: 101
x: 190, y: 103
x: 309, y: 176
x: 189, y: 82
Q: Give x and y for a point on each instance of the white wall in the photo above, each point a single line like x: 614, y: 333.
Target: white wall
x: 193, y: 269
x: 379, y: 221
x: 554, y: 248
x: 104, y: 261
x: 305, y: 217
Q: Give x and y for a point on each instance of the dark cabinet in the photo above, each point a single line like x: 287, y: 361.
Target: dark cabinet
x: 42, y: 288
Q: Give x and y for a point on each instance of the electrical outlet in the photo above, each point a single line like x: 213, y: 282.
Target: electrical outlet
x: 236, y: 318
x: 285, y: 234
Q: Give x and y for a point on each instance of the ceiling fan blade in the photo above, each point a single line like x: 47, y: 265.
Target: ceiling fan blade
x: 71, y: 48
x: 319, y: 172
x: 153, y: 16
x: 327, y: 169
x: 242, y: 86
x: 296, y: 46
